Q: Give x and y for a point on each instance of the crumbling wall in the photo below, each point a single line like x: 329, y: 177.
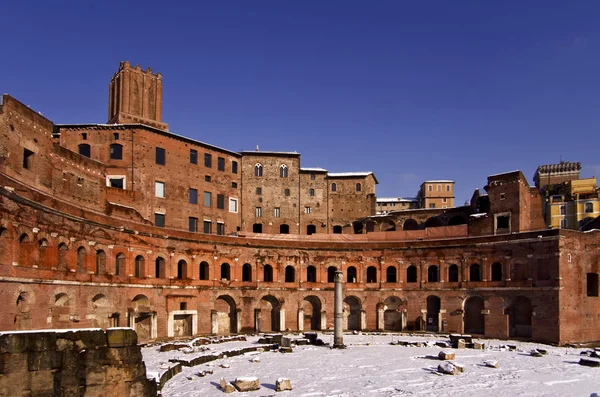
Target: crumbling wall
x: 73, y: 363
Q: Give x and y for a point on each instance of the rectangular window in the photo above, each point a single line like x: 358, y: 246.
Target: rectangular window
x: 207, y: 160
x: 118, y: 182
x: 234, y: 166
x: 161, y: 156
x: 84, y: 136
x: 503, y: 222
x: 592, y: 284
x: 233, y: 205
x: 312, y: 176
x: 431, y: 205
x: 159, y: 189
x: 159, y: 220
x: 221, y: 164
x: 27, y: 159
x: 207, y: 199
x: 193, y: 196
x: 220, y: 229
x: 234, y: 185
x: 259, y: 191
x: 502, y: 196
x: 444, y: 200
x: 430, y: 188
x: 193, y: 224
x: 563, y: 210
x: 193, y: 156
x: 207, y: 227
x: 277, y: 213
x: 447, y: 188
x: 207, y: 178
x: 258, y: 212
x: 307, y: 210
x: 563, y: 223
x: 116, y: 136
x: 439, y: 188
x: 221, y: 201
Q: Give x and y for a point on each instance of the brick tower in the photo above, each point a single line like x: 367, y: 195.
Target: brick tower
x: 135, y: 96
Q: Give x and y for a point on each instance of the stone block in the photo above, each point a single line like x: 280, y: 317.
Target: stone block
x: 226, y: 386
x: 121, y: 337
x: 491, y: 363
x: 246, y: 383
x: 286, y: 350
x: 283, y: 384
x: 460, y: 344
x: 478, y: 346
x: 589, y: 362
x: 448, y: 369
x: 443, y: 355
x: 129, y: 354
x: 15, y: 363
x: 286, y: 342
x: 44, y: 360
x: 88, y: 339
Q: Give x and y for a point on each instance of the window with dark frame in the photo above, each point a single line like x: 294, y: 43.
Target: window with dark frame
x: 207, y: 227
x: 207, y: 160
x: 221, y: 201
x: 207, y: 199
x: 116, y: 151
x: 27, y: 159
x: 234, y: 167
x: 85, y: 150
x: 193, y: 156
x: 159, y: 220
x: 221, y: 164
x: 161, y: 156
x: 220, y: 229
x: 193, y: 196
x: 193, y: 224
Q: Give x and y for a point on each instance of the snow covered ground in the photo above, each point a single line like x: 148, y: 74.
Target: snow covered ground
x: 370, y: 366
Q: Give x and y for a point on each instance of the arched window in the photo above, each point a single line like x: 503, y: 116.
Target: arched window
x: 181, y: 269
x: 311, y: 192
x: 358, y: 187
x: 247, y: 272
x: 258, y: 170
x: 120, y: 264
x: 432, y: 274
x: 391, y: 274
x: 268, y: 274
x: 62, y: 256
x: 160, y: 268
x: 225, y: 271
x: 331, y: 274
x: 474, y: 272
x: 100, y: 262
x: 411, y: 274
x: 351, y: 275
x: 85, y: 150
x: 81, y: 260
x: 283, y: 171
x: 204, y: 270
x: 290, y: 274
x: 311, y: 274
x: 116, y: 151
x: 496, y: 271
x: 334, y: 187
x: 337, y: 229
x: 139, y: 266
x: 453, y: 274
x: 371, y: 274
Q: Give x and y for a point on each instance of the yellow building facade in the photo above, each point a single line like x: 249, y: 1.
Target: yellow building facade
x: 571, y: 206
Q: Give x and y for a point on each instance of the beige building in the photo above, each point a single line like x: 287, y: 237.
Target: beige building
x: 385, y: 205
x: 436, y: 194
x: 572, y: 204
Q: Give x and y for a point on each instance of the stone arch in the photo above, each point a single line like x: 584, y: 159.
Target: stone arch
x: 226, y: 315
x: 269, y: 314
x: 433, y: 274
x: 100, y: 310
x: 410, y: 224
x: 100, y: 262
x: 141, y: 303
x: 140, y: 266
x: 204, y: 270
x: 357, y: 227
x: 311, y: 274
x: 434, y: 304
x: 60, y: 309
x: 290, y: 274
x: 311, y: 306
x: 475, y: 272
x: 62, y: 299
x: 268, y: 273
x: 247, y: 272
x: 457, y: 220
x: 352, y: 313
x: 520, y: 315
x: 5, y: 244
x: 331, y: 274
x: 120, y: 264
x: 497, y: 271
x: 371, y: 274
x: 142, y: 319
x: 160, y: 267
x: 81, y: 260
x: 25, y: 250
x: 393, y: 314
x: 453, y: 273
x: 474, y: 319
x: 225, y: 271
x: 351, y: 275
x: 24, y: 302
x: 182, y: 270
x: 41, y: 259
x: 391, y: 274
x: 63, y: 250
x: 411, y: 274
x: 433, y: 222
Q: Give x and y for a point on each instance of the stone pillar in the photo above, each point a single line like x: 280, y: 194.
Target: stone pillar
x: 363, y: 319
x: 338, y: 306
x: 281, y: 320
x: 323, y: 321
x: 300, y: 319
x: 214, y: 322
x: 380, y: 317
x: 238, y: 321
x: 257, y: 320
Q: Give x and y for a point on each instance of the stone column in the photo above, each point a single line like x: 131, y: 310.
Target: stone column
x: 257, y: 320
x: 281, y: 320
x: 338, y: 302
x: 214, y: 322
x: 380, y: 317
x: 300, y: 319
x: 238, y: 321
x: 363, y: 319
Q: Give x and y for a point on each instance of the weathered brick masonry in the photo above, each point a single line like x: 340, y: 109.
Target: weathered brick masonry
x: 75, y: 252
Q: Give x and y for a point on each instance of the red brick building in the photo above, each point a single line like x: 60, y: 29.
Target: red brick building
x: 97, y: 229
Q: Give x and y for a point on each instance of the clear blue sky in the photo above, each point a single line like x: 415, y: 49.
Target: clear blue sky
x: 410, y: 90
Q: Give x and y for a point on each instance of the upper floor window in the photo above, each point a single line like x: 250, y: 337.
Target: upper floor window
x: 207, y: 160
x: 277, y: 212
x: 259, y: 191
x: 431, y: 205
x: 116, y: 151
x: 258, y: 170
x: 234, y: 166
x: 221, y: 201
x: 334, y: 187
x: 312, y: 176
x: 563, y: 210
x: 193, y: 193
x: 439, y: 188
x: 311, y: 192
x: 221, y: 164
x: 207, y: 199
x: 193, y: 156
x: 159, y: 188
x: 161, y: 156
x: 589, y: 207
x: 85, y: 150
x: 283, y: 171
x: 447, y: 188
x: 159, y: 219
x: 84, y: 136
x: 358, y: 187
x: 430, y: 188
x: 286, y: 192
x: 116, y: 136
x: 233, y: 205
x: 258, y: 212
